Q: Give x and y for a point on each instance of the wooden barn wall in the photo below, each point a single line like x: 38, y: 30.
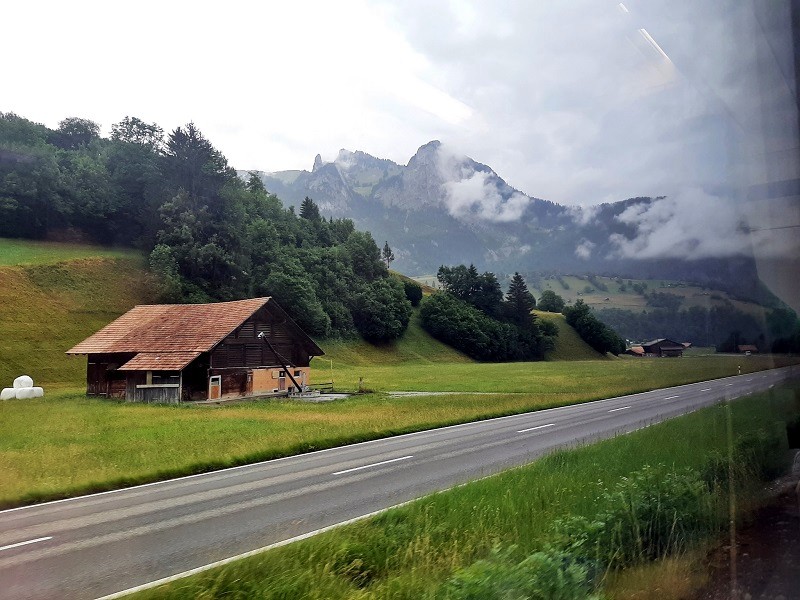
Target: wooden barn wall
x: 243, y: 348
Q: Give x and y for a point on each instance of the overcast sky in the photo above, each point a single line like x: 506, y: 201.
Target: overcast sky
x: 577, y: 102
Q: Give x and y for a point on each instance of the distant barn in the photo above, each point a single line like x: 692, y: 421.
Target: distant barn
x: 635, y: 351
x: 189, y: 352
x: 663, y: 347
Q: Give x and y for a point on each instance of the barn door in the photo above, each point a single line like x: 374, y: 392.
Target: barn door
x: 215, y: 387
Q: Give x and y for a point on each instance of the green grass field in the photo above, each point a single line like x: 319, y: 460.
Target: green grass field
x: 569, y: 345
x: 409, y: 552
x: 66, y: 443
x: 48, y: 308
x: 26, y: 252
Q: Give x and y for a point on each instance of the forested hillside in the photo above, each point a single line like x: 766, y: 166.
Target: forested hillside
x: 207, y: 234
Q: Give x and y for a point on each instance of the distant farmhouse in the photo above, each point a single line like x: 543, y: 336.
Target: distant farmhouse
x: 745, y: 348
x: 663, y: 347
x: 189, y: 352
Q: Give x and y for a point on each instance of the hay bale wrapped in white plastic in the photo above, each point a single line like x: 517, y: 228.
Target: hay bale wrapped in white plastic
x: 23, y: 381
x: 8, y: 394
x: 25, y: 393
x: 38, y: 392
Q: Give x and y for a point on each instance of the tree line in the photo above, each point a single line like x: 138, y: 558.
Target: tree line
x: 208, y: 234
x: 472, y: 315
x: 723, y: 326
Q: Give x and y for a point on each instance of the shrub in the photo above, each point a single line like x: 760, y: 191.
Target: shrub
x: 413, y: 292
x: 467, y: 329
x: 381, y: 312
x: 545, y: 575
x: 648, y: 515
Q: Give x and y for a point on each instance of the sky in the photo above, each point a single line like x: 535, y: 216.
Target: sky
x: 576, y: 102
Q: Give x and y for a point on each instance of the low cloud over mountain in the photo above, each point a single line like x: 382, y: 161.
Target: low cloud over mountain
x: 443, y: 207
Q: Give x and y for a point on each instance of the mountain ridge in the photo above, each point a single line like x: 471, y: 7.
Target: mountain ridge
x: 443, y: 207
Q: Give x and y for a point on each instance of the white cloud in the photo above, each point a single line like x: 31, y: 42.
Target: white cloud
x: 694, y: 224
x: 583, y: 215
x: 473, y: 194
x: 584, y: 249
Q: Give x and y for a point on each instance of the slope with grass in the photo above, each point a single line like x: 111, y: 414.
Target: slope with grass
x: 569, y: 345
x: 48, y: 304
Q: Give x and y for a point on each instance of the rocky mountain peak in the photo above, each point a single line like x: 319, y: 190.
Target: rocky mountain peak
x: 317, y: 163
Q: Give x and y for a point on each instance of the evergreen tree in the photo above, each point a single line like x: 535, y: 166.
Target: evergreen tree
x: 309, y: 210
x: 519, y: 301
x: 387, y: 254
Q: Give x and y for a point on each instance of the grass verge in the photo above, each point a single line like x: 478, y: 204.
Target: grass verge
x: 440, y: 545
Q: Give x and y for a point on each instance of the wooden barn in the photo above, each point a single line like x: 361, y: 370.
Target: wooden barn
x: 663, y: 347
x: 189, y: 352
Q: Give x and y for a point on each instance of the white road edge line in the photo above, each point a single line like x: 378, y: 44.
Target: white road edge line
x: 616, y: 409
x: 672, y: 397
x: 377, y: 464
x: 535, y: 428
x: 706, y: 390
x: 18, y: 544
x: 225, y: 561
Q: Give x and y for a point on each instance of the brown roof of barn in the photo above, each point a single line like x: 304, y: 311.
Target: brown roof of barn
x: 175, y: 328
x: 159, y: 361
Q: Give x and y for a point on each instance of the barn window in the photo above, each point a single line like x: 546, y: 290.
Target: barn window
x: 247, y: 330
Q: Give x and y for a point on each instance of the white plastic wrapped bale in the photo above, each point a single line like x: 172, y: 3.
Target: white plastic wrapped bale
x: 8, y: 394
x: 25, y: 393
x: 38, y: 392
x: 23, y: 381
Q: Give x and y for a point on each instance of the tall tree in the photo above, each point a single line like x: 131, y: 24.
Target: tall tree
x: 74, y: 132
x: 551, y: 302
x: 519, y: 301
x: 309, y: 210
x: 194, y: 165
x: 133, y: 130
x: 387, y: 254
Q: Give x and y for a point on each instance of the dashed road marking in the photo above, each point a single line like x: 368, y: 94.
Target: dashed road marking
x: 18, y: 544
x: 377, y: 464
x: 535, y: 428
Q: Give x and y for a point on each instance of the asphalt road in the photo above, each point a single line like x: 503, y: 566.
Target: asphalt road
x: 108, y: 543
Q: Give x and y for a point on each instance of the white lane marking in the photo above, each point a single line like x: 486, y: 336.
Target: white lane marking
x: 377, y: 464
x: 706, y: 390
x: 616, y: 409
x: 535, y: 428
x: 671, y: 397
x: 751, y: 379
x: 18, y: 544
x: 728, y: 384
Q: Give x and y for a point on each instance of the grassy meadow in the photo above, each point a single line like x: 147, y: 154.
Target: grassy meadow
x: 410, y: 552
x: 67, y: 443
x: 49, y: 307
x: 29, y: 252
